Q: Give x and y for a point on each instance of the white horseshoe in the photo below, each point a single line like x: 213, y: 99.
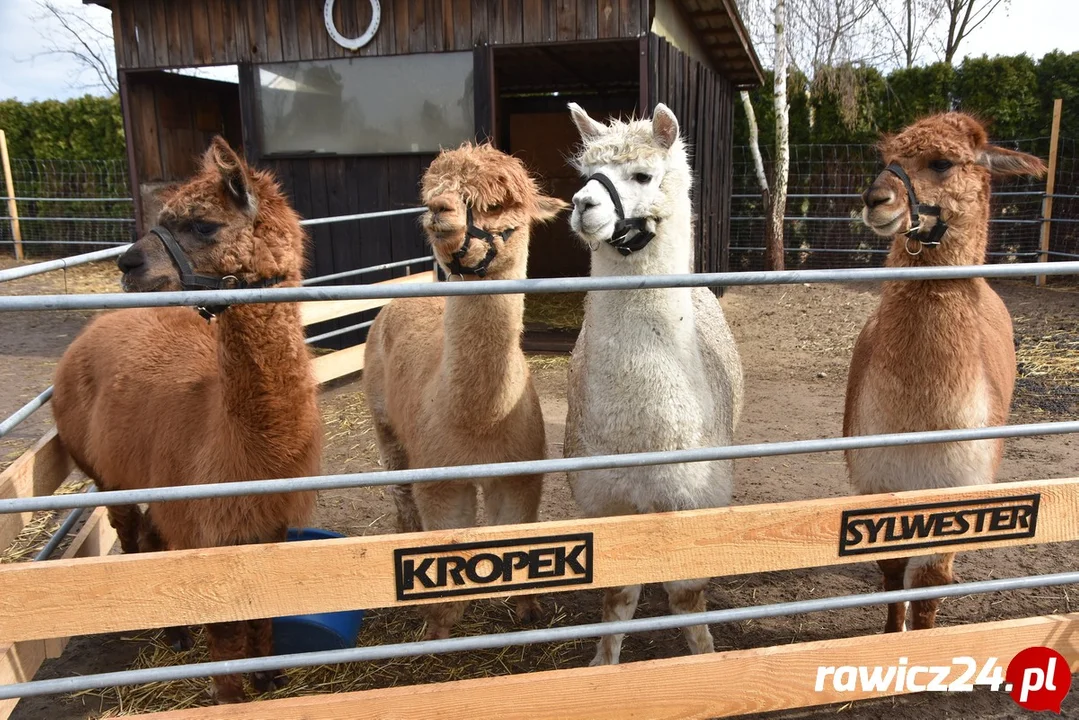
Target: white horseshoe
x: 352, y: 43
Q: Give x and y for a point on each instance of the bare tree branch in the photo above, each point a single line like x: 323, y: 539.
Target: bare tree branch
x: 81, y: 39
x: 964, y: 17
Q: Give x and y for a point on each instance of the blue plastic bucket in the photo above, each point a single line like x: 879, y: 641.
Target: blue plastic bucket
x: 321, y: 631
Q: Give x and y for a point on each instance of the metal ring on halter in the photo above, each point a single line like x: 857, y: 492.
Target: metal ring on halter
x: 907, y: 246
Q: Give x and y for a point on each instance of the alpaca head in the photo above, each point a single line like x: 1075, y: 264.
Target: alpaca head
x: 949, y: 163
x: 228, y: 221
x: 475, y: 190
x: 646, y: 164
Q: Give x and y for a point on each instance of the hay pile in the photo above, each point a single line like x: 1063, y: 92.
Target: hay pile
x: 42, y: 527
x: 555, y: 311
x: 1047, y: 359
x: 380, y: 627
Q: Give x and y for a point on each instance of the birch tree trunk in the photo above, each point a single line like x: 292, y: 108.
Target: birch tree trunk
x: 755, y: 150
x: 773, y: 235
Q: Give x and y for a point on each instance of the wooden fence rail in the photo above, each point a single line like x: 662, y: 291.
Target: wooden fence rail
x: 132, y: 592
x: 697, y: 686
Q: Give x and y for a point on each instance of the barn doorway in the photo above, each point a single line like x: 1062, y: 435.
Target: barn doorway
x: 532, y: 85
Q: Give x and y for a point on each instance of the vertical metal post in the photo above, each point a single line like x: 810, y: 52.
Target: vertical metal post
x: 12, y: 208
x: 1050, y: 185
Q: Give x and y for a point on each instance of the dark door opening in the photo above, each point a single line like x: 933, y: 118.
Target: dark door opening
x: 533, y: 86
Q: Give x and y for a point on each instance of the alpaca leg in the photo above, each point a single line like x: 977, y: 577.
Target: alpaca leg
x: 178, y: 637
x: 260, y: 644
x: 510, y: 501
x: 687, y: 596
x: 260, y: 641
x: 227, y: 641
x: 392, y: 456
x: 618, y: 604
x: 444, y: 506
x: 127, y: 521
x: 928, y: 571
x: 893, y: 571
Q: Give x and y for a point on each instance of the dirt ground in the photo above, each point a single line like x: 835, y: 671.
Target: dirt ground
x: 795, y: 343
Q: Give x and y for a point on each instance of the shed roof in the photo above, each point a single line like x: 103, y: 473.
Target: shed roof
x: 720, y: 29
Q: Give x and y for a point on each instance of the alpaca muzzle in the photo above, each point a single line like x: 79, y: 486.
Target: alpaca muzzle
x: 621, y: 239
x: 936, y: 233
x: 473, y: 232
x: 190, y: 280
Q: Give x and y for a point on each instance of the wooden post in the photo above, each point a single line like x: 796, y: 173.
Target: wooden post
x: 13, y: 211
x: 1050, y: 185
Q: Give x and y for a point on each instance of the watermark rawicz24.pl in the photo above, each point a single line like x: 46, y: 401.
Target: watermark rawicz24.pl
x: 1037, y: 678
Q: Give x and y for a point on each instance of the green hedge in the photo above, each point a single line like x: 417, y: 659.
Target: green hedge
x: 86, y: 128
x: 1012, y: 94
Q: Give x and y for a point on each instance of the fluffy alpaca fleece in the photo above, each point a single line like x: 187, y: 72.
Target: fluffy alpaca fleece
x: 445, y: 378
x: 157, y: 396
x: 652, y: 369
x: 935, y: 354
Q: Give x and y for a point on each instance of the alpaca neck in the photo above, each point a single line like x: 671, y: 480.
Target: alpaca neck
x: 483, y: 368
x: 264, y: 365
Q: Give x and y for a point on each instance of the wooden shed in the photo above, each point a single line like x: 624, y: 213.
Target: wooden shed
x: 349, y: 131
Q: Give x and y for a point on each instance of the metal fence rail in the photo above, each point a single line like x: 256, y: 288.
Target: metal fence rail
x: 38, y: 688
x: 509, y: 469
x: 107, y: 301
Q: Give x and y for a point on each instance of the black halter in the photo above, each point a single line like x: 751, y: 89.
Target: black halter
x: 480, y: 268
x: 190, y: 280
x: 642, y: 235
x: 936, y: 233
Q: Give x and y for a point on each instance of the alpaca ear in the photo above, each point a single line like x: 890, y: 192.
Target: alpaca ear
x: 235, y: 176
x: 547, y: 208
x: 664, y: 126
x: 588, y: 127
x: 1003, y: 162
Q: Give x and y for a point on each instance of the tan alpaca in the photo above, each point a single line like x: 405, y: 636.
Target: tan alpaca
x: 936, y: 354
x: 445, y: 378
x: 159, y: 396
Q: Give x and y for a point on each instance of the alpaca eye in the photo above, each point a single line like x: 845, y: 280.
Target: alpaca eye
x: 642, y: 178
x: 205, y: 230
x: 940, y: 165
x: 494, y: 208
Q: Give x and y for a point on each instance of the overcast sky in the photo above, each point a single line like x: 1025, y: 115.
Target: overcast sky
x: 1031, y: 26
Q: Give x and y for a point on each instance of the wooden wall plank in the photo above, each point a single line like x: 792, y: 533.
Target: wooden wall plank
x: 417, y: 26
x: 200, y: 33
x: 480, y: 27
x: 512, y: 28
x: 171, y: 16
x: 449, y: 22
x: 587, y: 20
x: 144, y: 35
x: 609, y: 25
x: 308, y: 21
x: 532, y: 19
x: 37, y: 472
x: 723, y: 684
x: 95, y: 595
x: 436, y: 39
x: 401, y: 26
x: 273, y: 31
x: 566, y: 18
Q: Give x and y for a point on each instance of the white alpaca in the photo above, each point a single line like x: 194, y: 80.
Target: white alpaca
x: 652, y: 369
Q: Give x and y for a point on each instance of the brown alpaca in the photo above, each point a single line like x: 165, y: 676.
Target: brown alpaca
x: 445, y: 378
x: 936, y: 354
x: 159, y: 396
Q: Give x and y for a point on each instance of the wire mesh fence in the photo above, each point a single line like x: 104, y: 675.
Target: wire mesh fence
x: 823, y: 227
x: 69, y: 206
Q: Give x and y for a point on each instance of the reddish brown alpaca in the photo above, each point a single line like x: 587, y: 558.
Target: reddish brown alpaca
x: 158, y: 396
x: 936, y: 354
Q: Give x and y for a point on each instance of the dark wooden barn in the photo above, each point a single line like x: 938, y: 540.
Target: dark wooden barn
x: 352, y: 131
